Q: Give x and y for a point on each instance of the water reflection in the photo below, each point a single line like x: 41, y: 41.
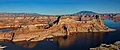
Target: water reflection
x: 75, y: 41
x: 26, y: 44
x: 80, y: 40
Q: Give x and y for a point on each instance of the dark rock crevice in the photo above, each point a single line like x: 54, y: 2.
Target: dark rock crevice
x: 57, y: 21
x: 13, y: 35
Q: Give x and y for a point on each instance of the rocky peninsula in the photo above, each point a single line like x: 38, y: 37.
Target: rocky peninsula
x: 115, y: 46
x: 42, y: 27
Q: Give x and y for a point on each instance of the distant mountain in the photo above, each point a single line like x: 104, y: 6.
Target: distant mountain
x: 2, y: 14
x: 86, y: 12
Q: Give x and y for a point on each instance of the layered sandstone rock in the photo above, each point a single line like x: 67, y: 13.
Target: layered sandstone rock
x: 13, y: 21
x: 115, y: 46
x: 63, y: 25
x: 21, y: 21
x: 6, y: 36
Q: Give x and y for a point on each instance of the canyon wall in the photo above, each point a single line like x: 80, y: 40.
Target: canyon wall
x: 21, y: 20
x: 37, y: 29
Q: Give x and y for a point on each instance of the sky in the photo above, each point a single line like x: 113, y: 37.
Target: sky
x: 59, y: 7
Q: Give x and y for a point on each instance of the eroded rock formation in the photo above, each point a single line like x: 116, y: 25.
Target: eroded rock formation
x: 39, y: 28
x: 115, y: 46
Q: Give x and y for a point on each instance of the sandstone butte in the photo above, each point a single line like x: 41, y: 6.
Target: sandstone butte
x: 48, y: 27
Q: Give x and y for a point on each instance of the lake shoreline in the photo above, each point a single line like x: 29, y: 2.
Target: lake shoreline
x: 114, y: 46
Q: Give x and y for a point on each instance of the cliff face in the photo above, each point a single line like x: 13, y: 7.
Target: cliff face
x: 35, y: 29
x: 93, y: 25
x: 20, y: 20
x: 6, y: 22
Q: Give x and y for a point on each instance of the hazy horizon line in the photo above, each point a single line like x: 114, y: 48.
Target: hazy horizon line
x: 62, y: 14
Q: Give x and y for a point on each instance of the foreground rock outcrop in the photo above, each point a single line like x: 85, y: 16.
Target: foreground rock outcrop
x: 115, y: 46
x: 63, y: 25
x: 2, y: 47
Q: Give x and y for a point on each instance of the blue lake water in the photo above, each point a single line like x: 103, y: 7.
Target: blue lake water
x: 5, y: 30
x: 77, y: 41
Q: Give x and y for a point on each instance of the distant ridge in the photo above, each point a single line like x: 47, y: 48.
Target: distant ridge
x: 86, y: 12
x: 37, y: 14
x: 18, y: 14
